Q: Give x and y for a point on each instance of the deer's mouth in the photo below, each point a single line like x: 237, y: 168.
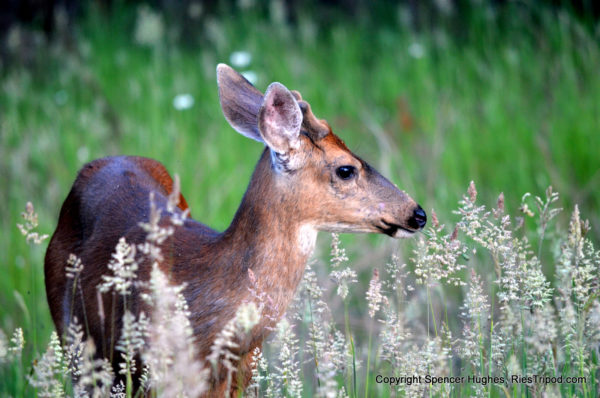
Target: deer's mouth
x: 394, y: 230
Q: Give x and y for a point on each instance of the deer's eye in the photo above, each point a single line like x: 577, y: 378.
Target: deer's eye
x: 345, y: 172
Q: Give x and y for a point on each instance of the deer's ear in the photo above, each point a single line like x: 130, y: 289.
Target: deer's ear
x: 240, y: 101
x: 279, y: 119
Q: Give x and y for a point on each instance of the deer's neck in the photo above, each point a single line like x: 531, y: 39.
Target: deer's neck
x: 269, y: 237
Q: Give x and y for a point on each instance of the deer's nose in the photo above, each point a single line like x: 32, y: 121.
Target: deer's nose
x: 419, y: 218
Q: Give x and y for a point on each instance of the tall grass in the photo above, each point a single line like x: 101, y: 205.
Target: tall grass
x: 513, y: 333
x: 512, y: 104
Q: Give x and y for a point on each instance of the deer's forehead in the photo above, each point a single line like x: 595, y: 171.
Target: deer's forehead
x: 334, y: 148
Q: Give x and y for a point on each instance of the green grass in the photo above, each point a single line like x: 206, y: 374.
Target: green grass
x: 514, y: 104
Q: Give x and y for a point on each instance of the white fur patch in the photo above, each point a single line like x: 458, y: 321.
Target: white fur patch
x: 307, y: 238
x: 340, y: 227
x: 284, y: 162
x: 400, y: 233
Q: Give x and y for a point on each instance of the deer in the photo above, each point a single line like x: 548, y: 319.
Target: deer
x: 305, y: 181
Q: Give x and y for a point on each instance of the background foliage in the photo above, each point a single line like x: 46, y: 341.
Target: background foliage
x: 505, y: 94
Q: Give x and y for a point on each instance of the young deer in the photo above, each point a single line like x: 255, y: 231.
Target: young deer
x: 306, y: 181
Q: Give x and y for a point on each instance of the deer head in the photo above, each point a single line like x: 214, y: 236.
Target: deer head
x: 330, y: 188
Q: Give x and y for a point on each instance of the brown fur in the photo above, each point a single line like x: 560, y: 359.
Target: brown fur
x: 272, y: 232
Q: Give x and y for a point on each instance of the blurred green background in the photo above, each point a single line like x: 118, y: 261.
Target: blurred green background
x: 434, y: 94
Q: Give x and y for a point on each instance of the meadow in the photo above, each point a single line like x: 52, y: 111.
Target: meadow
x: 513, y: 104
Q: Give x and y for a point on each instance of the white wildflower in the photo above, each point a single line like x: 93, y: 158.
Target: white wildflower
x: 327, y: 372
x: 437, y: 258
x: 394, y: 337
x: 31, y: 223
x: 578, y: 264
x: 416, y: 50
x: 324, y: 340
x: 259, y: 373
x: 74, y: 266
x: 266, y: 306
x: 183, y: 101
x: 118, y: 391
x: 288, y: 372
x: 342, y: 277
x: 225, y: 347
x: 83, y: 154
x: 131, y: 341
x: 124, y: 268
x: 518, y: 270
x: 338, y: 352
x: 545, y: 210
x: 74, y: 350
x: 222, y: 350
x: 156, y: 234
x: 17, y: 342
x: 247, y: 316
x: 149, y: 27
x: 338, y: 253
x: 592, y: 327
x: 177, y: 217
x: 240, y: 59
x: 95, y: 376
x: 475, y: 324
x: 476, y: 304
x: 541, y: 335
x: 171, y: 353
x: 48, y: 372
x: 3, y: 346
x: 145, y: 378
x: 374, y: 297
x: 398, y: 274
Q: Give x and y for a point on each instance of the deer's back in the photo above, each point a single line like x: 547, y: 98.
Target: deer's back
x: 108, y: 200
